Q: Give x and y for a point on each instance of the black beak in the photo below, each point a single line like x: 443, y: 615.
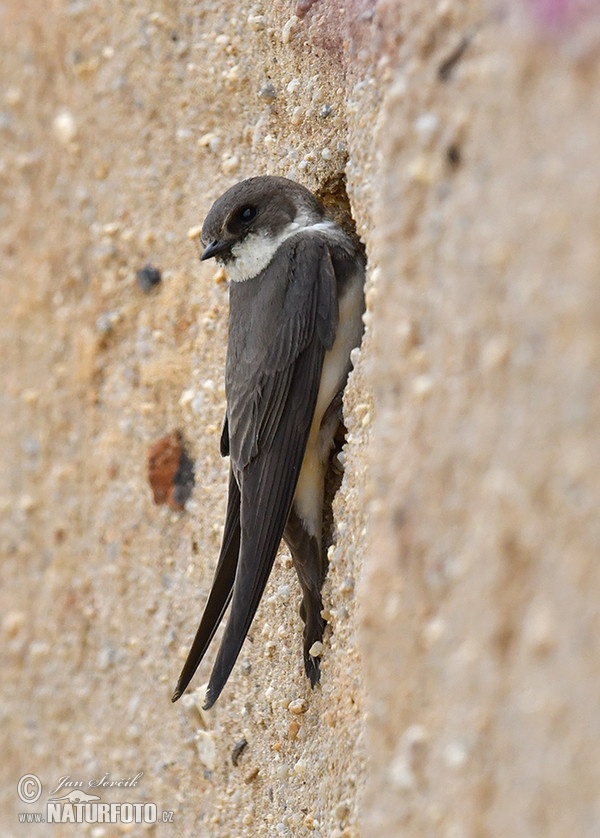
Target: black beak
x: 214, y: 248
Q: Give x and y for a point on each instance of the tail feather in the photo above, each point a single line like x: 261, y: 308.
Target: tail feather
x: 221, y: 591
x: 268, y: 486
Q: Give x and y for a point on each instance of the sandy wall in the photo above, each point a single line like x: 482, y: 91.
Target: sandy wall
x: 460, y: 676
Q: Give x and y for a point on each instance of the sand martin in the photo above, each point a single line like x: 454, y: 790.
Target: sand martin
x: 296, y: 304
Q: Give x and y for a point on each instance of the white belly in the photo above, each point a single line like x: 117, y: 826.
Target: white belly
x: 308, y: 499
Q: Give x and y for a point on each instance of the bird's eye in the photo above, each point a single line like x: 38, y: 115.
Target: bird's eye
x: 247, y: 213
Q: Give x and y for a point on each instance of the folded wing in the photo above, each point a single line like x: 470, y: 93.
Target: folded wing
x: 280, y: 333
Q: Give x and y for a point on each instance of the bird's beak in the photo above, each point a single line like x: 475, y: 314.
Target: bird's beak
x: 215, y: 248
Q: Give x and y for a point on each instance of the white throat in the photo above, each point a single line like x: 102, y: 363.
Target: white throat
x: 253, y: 254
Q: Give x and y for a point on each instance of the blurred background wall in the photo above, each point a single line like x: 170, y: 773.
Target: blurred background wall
x: 460, y: 677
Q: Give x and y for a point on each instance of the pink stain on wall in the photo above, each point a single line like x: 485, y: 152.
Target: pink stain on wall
x: 559, y: 14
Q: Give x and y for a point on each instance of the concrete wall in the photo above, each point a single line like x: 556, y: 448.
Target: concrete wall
x: 460, y: 677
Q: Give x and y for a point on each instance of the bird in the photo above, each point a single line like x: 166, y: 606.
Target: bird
x: 296, y: 300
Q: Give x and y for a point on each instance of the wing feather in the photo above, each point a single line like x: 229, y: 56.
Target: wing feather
x: 268, y: 486
x: 264, y: 344
x: 281, y: 324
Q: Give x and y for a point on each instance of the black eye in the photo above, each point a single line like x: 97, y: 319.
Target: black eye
x: 247, y: 213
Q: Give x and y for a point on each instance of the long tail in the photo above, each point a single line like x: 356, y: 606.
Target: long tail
x: 264, y: 513
x: 221, y: 591
x: 268, y: 485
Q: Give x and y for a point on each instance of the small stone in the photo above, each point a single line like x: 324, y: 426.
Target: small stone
x: 304, y: 6
x: 291, y: 24
x: 426, y: 125
x: 229, y: 164
x: 422, y: 386
x: 423, y: 170
x: 300, y: 768
x: 539, y: 630
x: 38, y: 649
x: 111, y: 229
x: 408, y: 335
x: 298, y: 706
x: 238, y: 749
x: 148, y: 278
x: 197, y: 403
x: 195, y: 700
x: 433, y: 630
x: 455, y: 754
x: 220, y: 276
x: 101, y: 171
x: 30, y: 396
x: 346, y: 586
x: 148, y: 237
x: 64, y: 127
x: 106, y: 322
x: 257, y: 22
x: 316, y: 650
x: 170, y: 471
x: 13, y: 96
x: 401, y: 774
x: 207, y: 752
x: 293, y: 729
x: 282, y: 771
x: 14, y: 621
x: 209, y: 140
x: 187, y: 397
x: 342, y: 810
x: 267, y: 92
x: 233, y: 75
x: 495, y: 353
x: 409, y: 757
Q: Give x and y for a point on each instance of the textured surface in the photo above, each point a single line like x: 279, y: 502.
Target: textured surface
x: 462, y: 657
x: 120, y: 125
x: 486, y: 448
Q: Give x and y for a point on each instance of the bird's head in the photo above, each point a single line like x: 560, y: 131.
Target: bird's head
x: 249, y: 222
